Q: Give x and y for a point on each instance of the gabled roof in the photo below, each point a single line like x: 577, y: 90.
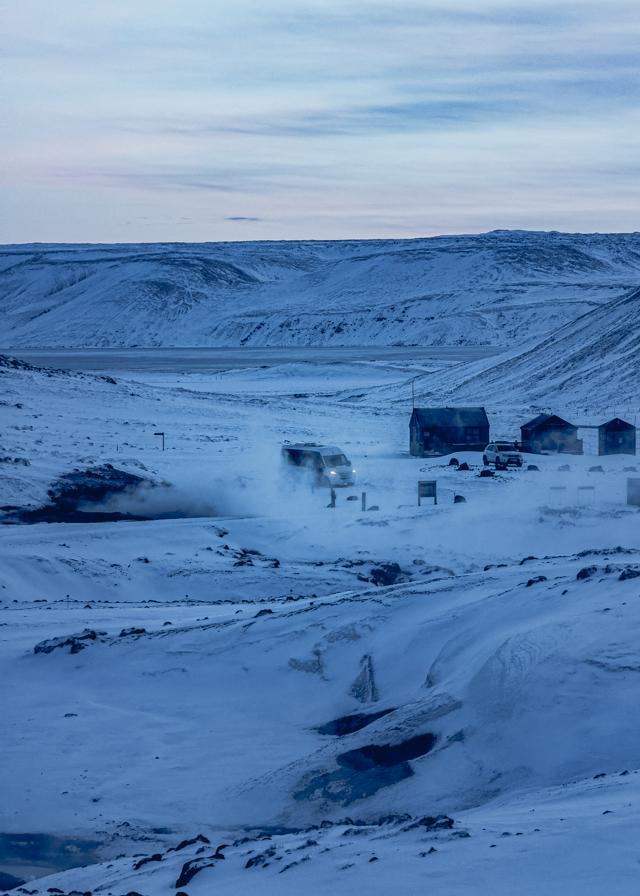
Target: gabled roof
x: 451, y: 417
x: 543, y: 419
x: 618, y: 422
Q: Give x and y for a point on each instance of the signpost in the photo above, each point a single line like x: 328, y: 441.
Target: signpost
x: 586, y: 494
x: 160, y: 434
x: 427, y: 488
x: 559, y: 492
x: 633, y: 492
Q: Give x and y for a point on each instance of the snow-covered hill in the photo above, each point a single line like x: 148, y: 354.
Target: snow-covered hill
x: 311, y: 686
x: 496, y: 288
x: 590, y: 363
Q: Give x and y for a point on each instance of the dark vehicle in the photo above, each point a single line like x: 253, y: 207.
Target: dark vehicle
x: 322, y: 465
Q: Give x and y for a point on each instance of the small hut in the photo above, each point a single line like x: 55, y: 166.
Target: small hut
x: 617, y: 437
x: 550, y: 433
x: 438, y: 431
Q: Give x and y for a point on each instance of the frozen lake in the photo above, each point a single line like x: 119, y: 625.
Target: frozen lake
x: 201, y: 360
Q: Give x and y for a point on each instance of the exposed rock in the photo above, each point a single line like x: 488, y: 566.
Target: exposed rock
x: 355, y: 722
x: 77, y: 496
x: 261, y: 859
x: 436, y: 822
x: 156, y: 857
x: 92, y: 485
x: 191, y: 868
x: 199, y: 838
x: 385, y: 755
x: 586, y: 572
x: 76, y: 642
x: 364, y: 687
x: 386, y: 573
x: 314, y: 666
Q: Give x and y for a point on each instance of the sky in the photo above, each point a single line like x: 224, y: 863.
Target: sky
x: 316, y: 119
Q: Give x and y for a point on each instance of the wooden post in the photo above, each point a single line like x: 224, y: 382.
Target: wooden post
x: 364, y: 501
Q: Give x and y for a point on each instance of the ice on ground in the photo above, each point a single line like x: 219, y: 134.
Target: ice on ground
x: 495, y: 676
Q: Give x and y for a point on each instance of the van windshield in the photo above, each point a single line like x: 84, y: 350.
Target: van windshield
x: 335, y: 460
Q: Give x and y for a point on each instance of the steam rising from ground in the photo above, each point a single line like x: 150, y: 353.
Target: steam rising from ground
x: 514, y: 514
x: 241, y: 489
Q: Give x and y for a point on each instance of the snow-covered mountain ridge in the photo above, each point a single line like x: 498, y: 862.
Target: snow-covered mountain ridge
x: 496, y: 288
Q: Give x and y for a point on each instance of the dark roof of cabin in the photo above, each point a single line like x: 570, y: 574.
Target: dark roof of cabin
x: 543, y: 419
x: 618, y: 422
x: 451, y: 417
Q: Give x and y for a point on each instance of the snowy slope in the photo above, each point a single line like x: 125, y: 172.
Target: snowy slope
x: 592, y: 362
x: 503, y: 681
x: 486, y: 289
x: 230, y: 646
x: 527, y: 846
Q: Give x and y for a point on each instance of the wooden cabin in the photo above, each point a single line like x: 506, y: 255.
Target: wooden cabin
x: 548, y: 433
x: 438, y: 431
x: 617, y: 437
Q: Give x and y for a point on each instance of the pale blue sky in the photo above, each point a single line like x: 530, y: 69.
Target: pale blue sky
x: 194, y: 120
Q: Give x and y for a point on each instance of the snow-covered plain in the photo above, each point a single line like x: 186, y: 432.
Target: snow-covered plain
x: 254, y: 680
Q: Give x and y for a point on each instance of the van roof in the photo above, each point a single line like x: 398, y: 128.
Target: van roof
x: 311, y: 446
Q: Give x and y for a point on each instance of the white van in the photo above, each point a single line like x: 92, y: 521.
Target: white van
x: 323, y: 465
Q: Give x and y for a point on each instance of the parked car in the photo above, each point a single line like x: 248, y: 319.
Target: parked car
x: 503, y: 455
x: 321, y: 465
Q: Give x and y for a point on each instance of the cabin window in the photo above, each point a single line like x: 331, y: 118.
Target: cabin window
x: 472, y: 434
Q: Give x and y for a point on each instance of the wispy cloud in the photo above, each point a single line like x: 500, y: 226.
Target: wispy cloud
x: 323, y: 115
